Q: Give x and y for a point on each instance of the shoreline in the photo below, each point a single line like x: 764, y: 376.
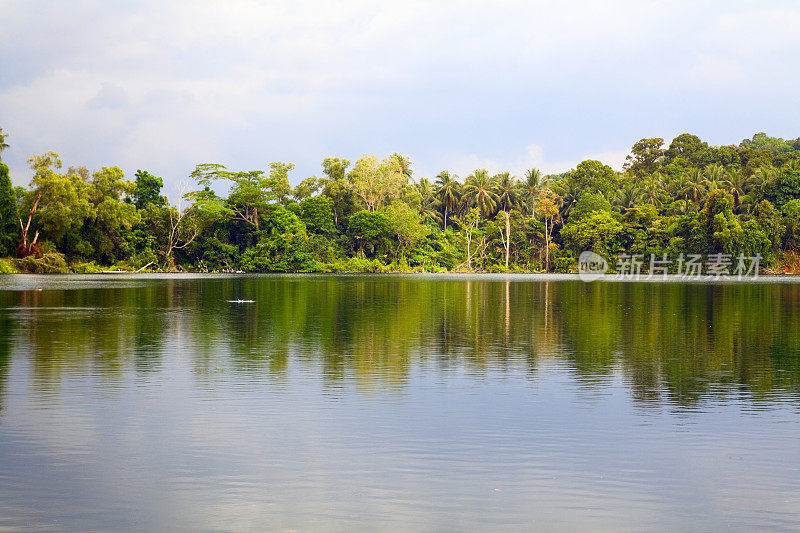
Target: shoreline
x: 495, y: 276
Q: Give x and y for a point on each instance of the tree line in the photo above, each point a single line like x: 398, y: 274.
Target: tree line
x: 375, y: 215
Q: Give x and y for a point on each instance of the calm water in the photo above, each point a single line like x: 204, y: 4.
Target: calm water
x: 397, y: 403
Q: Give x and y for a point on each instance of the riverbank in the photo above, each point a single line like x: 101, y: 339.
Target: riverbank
x: 56, y: 264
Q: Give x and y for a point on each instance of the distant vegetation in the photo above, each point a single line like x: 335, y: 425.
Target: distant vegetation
x: 377, y: 216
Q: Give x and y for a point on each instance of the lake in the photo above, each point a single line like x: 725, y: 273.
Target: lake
x: 418, y: 402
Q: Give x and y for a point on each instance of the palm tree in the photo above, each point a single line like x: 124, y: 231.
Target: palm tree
x: 447, y: 193
x: 507, y: 199
x: 677, y: 186
x: 3, y: 143
x: 653, y: 189
x: 715, y: 175
x: 793, y: 164
x: 534, y: 184
x: 627, y: 196
x: 401, y: 164
x: 506, y: 187
x: 695, y: 187
x: 738, y: 183
x: 568, y: 191
x: 479, y: 191
x: 429, y: 204
x: 764, y: 175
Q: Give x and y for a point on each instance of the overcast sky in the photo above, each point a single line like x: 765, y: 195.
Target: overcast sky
x: 454, y: 85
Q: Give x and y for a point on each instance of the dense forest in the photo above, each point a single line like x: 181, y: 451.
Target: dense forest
x: 377, y: 216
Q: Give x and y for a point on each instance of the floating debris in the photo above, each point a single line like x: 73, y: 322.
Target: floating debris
x: 241, y: 301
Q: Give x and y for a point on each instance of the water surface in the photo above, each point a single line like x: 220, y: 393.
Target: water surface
x: 397, y: 402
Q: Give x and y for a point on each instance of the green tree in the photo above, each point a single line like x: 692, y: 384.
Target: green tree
x: 589, y: 203
x: 148, y: 190
x: 594, y: 176
x: 317, y: 214
x: 447, y: 193
x: 111, y: 217
x: 507, y: 199
x: 60, y: 201
x: 371, y: 232
x: 535, y: 182
x: 688, y: 148
x: 597, y: 232
x: 336, y: 187
x: 9, y: 218
x: 479, y: 191
x: 645, y: 156
x: 376, y: 182
x: 3, y: 143
x: 281, y: 246
x: 405, y: 225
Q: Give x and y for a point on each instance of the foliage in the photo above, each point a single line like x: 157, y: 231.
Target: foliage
x: 690, y: 197
x: 9, y: 220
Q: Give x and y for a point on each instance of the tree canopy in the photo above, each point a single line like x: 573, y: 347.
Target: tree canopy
x: 378, y: 214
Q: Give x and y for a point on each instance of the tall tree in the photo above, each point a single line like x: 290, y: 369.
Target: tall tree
x: 9, y: 228
x: 645, y: 156
x: 738, y: 183
x: 376, y: 181
x: 336, y: 187
x: 59, y: 202
x: 535, y: 183
x: 401, y: 165
x: 3, y: 143
x: 447, y: 193
x: 507, y: 199
x: 147, y: 190
x: 548, y: 209
x: 480, y: 192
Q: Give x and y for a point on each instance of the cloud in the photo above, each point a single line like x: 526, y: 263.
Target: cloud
x: 109, y: 96
x: 164, y: 86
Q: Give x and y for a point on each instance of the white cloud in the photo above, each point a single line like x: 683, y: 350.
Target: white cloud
x: 166, y: 85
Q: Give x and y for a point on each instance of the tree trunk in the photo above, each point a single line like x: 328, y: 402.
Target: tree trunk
x: 546, y: 248
x: 508, y: 237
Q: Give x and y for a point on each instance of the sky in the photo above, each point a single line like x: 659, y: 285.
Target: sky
x: 163, y: 86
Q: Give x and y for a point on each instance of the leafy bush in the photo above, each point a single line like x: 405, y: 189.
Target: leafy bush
x: 49, y: 263
x: 8, y: 266
x: 85, y: 268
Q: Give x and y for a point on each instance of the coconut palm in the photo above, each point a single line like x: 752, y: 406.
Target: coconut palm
x: 506, y: 188
x: 3, y: 143
x: 479, y: 191
x: 627, y: 196
x: 653, y: 189
x: 695, y: 188
x: 738, y: 183
x: 533, y: 185
x: 429, y: 204
x: 568, y: 191
x: 715, y: 177
x: 447, y: 193
x: 507, y: 199
x: 793, y: 164
x: 401, y: 164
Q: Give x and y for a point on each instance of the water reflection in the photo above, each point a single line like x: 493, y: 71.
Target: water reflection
x: 397, y: 402
x: 673, y: 344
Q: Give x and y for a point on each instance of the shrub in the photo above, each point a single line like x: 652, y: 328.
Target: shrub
x: 49, y: 263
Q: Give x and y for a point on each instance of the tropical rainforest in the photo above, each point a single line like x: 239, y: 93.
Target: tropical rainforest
x: 376, y: 215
